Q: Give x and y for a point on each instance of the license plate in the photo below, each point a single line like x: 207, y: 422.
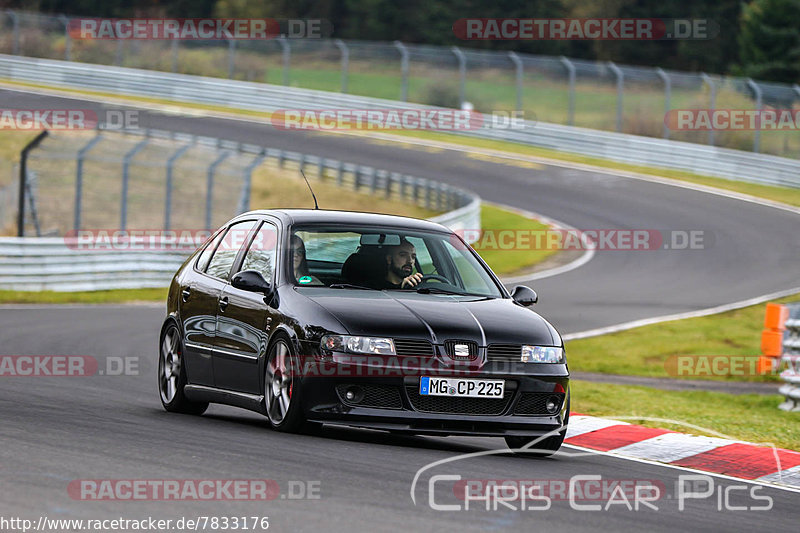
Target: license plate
x: 463, y: 388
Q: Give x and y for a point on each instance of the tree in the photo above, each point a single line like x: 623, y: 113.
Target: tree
x: 769, y: 41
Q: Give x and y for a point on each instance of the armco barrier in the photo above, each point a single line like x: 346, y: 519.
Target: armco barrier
x: 791, y: 360
x: 36, y: 264
x: 633, y: 149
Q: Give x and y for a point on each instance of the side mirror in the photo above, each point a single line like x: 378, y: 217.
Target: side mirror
x: 251, y: 280
x: 524, y: 295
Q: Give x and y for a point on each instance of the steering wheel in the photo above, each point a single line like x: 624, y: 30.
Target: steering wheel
x: 428, y: 277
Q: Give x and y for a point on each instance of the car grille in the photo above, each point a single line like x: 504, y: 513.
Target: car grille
x: 377, y: 396
x: 463, y: 406
x: 533, y: 403
x: 450, y: 349
x: 413, y: 348
x: 504, y: 352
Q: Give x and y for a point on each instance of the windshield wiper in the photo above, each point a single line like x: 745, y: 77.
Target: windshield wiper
x: 350, y: 286
x: 438, y: 290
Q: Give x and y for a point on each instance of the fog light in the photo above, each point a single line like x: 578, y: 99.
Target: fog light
x: 351, y: 393
x: 552, y: 404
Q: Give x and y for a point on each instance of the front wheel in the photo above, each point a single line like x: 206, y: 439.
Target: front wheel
x: 281, y: 388
x: 172, y: 375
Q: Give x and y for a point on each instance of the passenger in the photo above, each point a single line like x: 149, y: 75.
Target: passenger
x: 301, y: 273
x: 400, y: 260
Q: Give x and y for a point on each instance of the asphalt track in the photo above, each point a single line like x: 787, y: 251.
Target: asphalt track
x: 55, y: 430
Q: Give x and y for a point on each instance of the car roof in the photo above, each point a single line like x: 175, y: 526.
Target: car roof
x: 314, y: 216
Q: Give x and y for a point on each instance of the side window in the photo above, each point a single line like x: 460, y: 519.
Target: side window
x: 224, y: 256
x: 205, y: 255
x: 261, y: 253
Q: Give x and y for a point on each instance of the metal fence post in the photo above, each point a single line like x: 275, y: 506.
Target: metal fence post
x: 712, y: 100
x: 67, y: 38
x: 759, y: 94
x: 231, y: 57
x: 620, y: 89
x: 244, y: 201
x: 462, y: 75
x: 210, y: 185
x: 321, y: 168
x: 79, y: 180
x: 126, y: 163
x: 286, y: 54
x: 345, y: 62
x: 168, y: 193
x: 118, y: 53
x: 571, y: 90
x: 23, y: 178
x: 519, y: 73
x: 403, y: 70
x: 340, y: 173
x: 15, y: 32
x: 174, y: 47
x: 667, y: 97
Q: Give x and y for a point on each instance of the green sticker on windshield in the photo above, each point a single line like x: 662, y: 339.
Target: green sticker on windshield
x: 305, y: 279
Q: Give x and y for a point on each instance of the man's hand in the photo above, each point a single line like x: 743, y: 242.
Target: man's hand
x: 411, y: 281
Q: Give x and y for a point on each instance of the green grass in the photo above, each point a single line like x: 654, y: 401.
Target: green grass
x: 502, y: 261
x: 648, y: 350
x: 750, y: 417
x: 86, y: 297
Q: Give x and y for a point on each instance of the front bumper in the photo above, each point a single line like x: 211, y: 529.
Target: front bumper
x: 393, y: 403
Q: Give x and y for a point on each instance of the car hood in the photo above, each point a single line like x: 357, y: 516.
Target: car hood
x: 437, y: 318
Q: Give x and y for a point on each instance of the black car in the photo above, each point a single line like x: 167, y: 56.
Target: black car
x: 376, y: 321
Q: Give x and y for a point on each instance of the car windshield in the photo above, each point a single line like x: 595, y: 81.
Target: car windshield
x: 379, y: 259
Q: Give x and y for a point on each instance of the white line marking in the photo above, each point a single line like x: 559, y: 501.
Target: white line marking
x: 671, y: 447
x: 577, y: 263
x: 679, y: 316
x: 580, y: 425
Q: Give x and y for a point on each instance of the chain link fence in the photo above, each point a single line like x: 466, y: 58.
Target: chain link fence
x: 154, y: 180
x: 559, y: 90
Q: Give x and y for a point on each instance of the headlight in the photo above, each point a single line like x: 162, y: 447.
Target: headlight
x: 542, y: 354
x: 351, y: 344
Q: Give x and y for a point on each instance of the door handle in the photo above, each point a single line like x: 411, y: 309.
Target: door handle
x: 223, y: 303
x: 185, y: 293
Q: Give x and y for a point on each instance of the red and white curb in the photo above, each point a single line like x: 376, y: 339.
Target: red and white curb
x: 732, y: 458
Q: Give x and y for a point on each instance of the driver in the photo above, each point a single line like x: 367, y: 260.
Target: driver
x: 400, y: 260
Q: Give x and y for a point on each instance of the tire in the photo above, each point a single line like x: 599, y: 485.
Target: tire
x: 172, y: 374
x: 282, y: 388
x: 545, y: 447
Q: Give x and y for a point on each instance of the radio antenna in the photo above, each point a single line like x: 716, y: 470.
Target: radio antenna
x: 316, y: 205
